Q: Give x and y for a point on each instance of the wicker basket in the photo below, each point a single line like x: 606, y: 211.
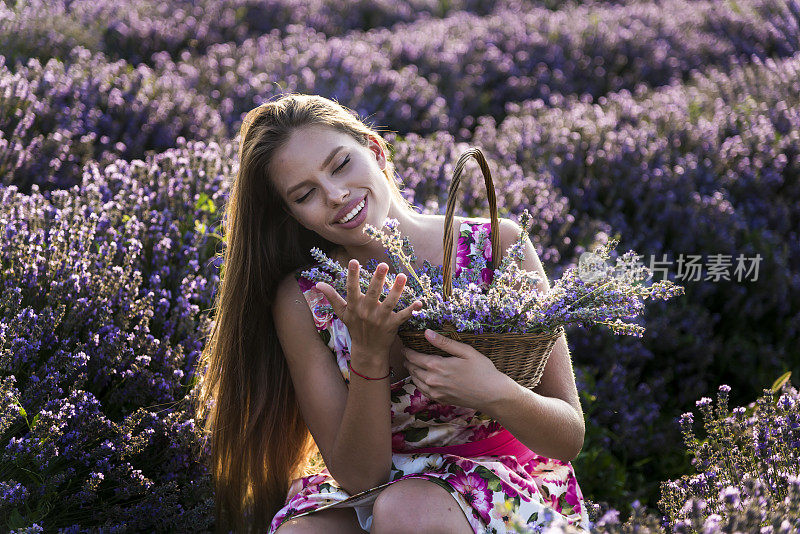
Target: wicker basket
x: 520, y: 356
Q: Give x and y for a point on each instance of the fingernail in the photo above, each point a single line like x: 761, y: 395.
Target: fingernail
x: 430, y: 334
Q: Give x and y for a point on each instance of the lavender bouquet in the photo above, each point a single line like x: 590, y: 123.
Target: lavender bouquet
x: 593, y: 294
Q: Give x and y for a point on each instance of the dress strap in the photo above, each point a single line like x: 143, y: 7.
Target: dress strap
x: 467, y: 251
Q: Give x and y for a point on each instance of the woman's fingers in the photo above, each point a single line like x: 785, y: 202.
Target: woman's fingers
x: 419, y: 377
x: 337, y: 302
x: 395, y: 292
x: 353, y: 288
x: 376, y: 284
x: 393, y: 298
x: 373, y: 293
x: 406, y: 313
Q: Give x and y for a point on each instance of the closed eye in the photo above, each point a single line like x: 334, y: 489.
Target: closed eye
x: 304, y: 197
x: 343, y: 163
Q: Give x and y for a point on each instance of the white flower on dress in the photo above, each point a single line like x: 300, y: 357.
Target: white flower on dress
x: 473, y: 250
x: 340, y: 336
x: 552, y: 469
x: 434, y: 462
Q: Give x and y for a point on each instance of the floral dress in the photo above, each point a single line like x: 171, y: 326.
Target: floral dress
x: 490, y: 490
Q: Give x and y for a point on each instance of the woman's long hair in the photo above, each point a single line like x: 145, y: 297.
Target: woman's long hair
x: 256, y: 434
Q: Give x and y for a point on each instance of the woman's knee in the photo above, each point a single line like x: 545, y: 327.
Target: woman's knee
x: 341, y: 520
x: 417, y: 505
x: 299, y: 525
x: 294, y: 526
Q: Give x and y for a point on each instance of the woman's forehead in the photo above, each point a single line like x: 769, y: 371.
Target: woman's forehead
x: 311, y: 145
x: 306, y: 151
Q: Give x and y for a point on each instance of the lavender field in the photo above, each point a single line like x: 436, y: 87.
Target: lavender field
x: 673, y: 125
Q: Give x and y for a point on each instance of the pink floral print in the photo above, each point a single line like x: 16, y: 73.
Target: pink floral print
x: 477, y: 484
x: 315, y: 298
x: 475, y: 491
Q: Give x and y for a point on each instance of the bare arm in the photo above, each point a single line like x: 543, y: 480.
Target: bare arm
x: 548, y: 425
x: 351, y: 427
x: 549, y: 419
x: 362, y: 451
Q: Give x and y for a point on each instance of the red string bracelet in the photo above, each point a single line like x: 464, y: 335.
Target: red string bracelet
x: 366, y: 377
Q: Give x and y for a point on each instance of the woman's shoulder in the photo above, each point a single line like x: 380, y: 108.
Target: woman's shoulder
x: 294, y: 281
x: 437, y: 221
x: 507, y: 226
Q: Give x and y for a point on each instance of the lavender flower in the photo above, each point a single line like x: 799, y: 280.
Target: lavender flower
x: 738, y: 486
x: 511, y: 302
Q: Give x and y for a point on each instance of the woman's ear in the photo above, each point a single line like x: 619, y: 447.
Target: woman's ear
x: 377, y: 149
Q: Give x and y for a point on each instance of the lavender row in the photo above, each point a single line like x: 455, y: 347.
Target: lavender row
x: 56, y: 117
x: 719, y: 156
x: 238, y: 78
x: 439, y: 74
x: 477, y: 64
x: 72, y: 469
x: 43, y: 30
x: 749, y: 461
x: 481, y: 63
x: 746, y: 479
x: 131, y: 251
x: 46, y: 29
x: 156, y: 27
x: 103, y: 293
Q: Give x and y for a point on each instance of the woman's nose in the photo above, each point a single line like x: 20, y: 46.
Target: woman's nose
x: 336, y: 193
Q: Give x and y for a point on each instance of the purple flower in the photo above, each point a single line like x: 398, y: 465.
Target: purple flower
x: 705, y: 401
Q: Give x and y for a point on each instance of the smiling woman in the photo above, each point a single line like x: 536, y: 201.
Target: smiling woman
x: 283, y: 380
x: 334, y: 192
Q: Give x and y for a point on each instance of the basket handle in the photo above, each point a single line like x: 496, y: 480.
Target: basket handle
x: 451, y: 207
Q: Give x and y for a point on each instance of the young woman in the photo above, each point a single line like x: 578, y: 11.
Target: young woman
x: 429, y: 444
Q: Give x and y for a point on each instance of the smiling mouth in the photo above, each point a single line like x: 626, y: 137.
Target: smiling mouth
x: 354, y: 212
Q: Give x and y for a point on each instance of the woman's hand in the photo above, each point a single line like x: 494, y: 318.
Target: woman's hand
x: 468, y: 378
x: 372, y: 324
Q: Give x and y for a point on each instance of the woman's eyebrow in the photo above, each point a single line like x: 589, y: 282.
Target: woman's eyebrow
x: 324, y: 164
x: 330, y: 156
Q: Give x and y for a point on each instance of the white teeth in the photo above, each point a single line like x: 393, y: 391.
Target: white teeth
x: 352, y: 213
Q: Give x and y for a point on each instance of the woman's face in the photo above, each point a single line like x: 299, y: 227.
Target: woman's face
x: 323, y: 175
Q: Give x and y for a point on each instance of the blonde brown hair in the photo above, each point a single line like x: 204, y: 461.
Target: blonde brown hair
x: 247, y: 406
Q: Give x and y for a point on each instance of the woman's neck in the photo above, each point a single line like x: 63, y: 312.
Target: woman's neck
x: 411, y: 224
